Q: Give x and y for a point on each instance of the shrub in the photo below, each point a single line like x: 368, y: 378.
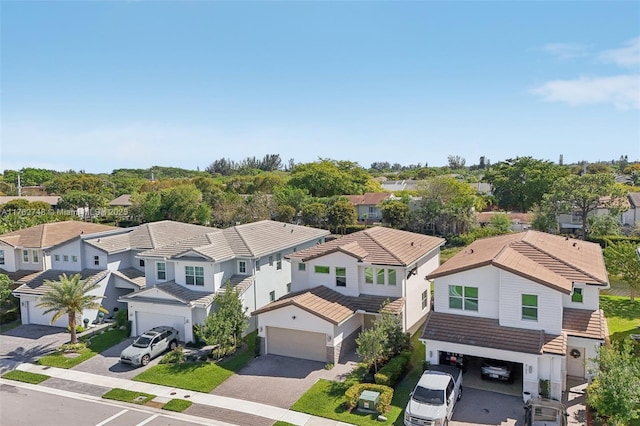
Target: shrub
x: 79, y: 328
x: 386, y: 395
x: 122, y: 318
x: 393, y: 370
x: 176, y: 356
x: 72, y: 347
x: 9, y: 316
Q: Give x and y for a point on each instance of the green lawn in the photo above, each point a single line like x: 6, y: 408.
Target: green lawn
x: 8, y: 326
x: 199, y: 376
x: 25, y: 376
x: 128, y: 396
x: 98, y: 344
x: 178, y: 405
x: 326, y: 398
x: 623, y: 317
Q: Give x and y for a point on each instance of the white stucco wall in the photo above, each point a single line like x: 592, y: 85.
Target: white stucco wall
x: 69, y: 249
x: 10, y: 262
x: 512, y: 287
x: 486, y: 279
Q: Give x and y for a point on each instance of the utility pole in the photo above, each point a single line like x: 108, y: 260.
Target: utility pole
x: 19, y: 185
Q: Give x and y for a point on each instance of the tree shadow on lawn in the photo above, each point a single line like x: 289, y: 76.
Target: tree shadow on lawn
x: 621, y: 307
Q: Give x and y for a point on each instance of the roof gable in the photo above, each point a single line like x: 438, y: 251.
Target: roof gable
x: 551, y: 260
x: 377, y: 245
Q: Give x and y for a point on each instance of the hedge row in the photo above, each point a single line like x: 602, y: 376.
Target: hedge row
x: 9, y: 316
x: 354, y: 392
x: 393, y: 370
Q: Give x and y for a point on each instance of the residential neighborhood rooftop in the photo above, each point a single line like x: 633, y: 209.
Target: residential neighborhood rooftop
x: 551, y: 260
x: 39, y: 284
x: 51, y: 234
x: 377, y: 245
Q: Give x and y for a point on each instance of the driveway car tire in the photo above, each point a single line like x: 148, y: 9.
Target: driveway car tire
x: 173, y: 345
x: 145, y: 360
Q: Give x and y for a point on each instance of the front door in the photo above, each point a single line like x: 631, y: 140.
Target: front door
x: 575, y: 361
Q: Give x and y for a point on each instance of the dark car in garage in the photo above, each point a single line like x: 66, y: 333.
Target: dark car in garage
x: 494, y: 369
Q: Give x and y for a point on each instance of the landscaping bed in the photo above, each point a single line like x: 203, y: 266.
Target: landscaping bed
x: 70, y: 357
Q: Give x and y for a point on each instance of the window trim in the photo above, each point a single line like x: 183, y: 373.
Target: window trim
x: 302, y: 266
x: 320, y: 269
x: 25, y: 256
x: 162, y: 270
x: 524, y: 307
x: 242, y: 264
x: 341, y: 280
x: 65, y: 257
x: 2, y: 257
x: 74, y: 258
x: 425, y: 299
x: 56, y: 257
x: 578, y: 293
x: 197, y: 278
x: 34, y: 256
x: 368, y: 274
x: 463, y: 299
x: 395, y: 277
x: 272, y: 296
x: 271, y: 260
x: 278, y: 261
x: 380, y: 274
x: 96, y: 260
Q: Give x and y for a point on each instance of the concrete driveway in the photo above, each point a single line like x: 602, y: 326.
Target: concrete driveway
x: 279, y: 380
x: 481, y: 407
x: 27, y: 343
x: 108, y: 363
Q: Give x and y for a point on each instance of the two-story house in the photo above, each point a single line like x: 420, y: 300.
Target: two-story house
x: 368, y: 205
x: 101, y: 254
x: 341, y: 286
x: 529, y: 298
x: 182, y: 278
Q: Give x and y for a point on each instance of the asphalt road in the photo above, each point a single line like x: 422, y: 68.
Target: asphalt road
x: 28, y: 405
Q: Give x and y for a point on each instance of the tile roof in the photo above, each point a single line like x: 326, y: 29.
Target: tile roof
x: 122, y: 201
x: 550, y: 260
x: 38, y: 285
x: 488, y: 333
x: 239, y: 283
x: 377, y: 245
x: 584, y: 323
x: 249, y: 240
x: 368, y: 199
x: 52, y: 200
x: 133, y: 276
x: 331, y: 305
x: 183, y: 295
x: 634, y: 199
x: 20, y: 277
x: 555, y: 344
x: 149, y: 236
x: 51, y: 234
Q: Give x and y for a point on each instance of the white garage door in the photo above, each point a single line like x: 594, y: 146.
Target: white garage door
x: 147, y: 320
x: 296, y: 344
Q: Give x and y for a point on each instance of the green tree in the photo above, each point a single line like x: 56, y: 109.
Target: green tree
x: 180, y: 203
x: 622, y: 260
x: 395, y: 213
x: 78, y: 199
x: 69, y: 296
x: 285, y: 213
x: 520, y: 183
x: 447, y: 205
x: 586, y: 194
x: 370, y: 346
x: 225, y: 325
x: 603, y: 224
x: 501, y: 222
x: 341, y: 214
x: 291, y: 196
x: 315, y: 214
x: 322, y: 179
x: 7, y: 300
x: 615, y: 390
x: 394, y: 339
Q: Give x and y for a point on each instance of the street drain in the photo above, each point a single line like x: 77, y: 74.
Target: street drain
x: 140, y: 398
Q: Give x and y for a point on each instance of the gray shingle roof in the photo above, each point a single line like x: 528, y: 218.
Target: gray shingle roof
x: 377, y: 245
x: 39, y: 284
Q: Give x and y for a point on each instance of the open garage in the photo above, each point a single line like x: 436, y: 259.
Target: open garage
x: 493, y: 378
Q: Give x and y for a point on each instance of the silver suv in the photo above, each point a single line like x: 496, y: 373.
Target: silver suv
x: 149, y: 345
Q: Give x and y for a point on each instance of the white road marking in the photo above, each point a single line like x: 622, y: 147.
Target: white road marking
x: 148, y: 420
x: 104, y: 422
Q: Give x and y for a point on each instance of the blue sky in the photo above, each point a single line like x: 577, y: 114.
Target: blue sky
x: 105, y: 85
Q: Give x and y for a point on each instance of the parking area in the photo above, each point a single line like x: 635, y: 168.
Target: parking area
x: 473, y: 378
x: 108, y: 363
x: 480, y: 407
x: 280, y: 380
x: 27, y: 343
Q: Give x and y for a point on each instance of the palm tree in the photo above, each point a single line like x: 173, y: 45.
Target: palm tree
x: 69, y: 296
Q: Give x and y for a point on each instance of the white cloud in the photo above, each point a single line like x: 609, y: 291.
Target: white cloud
x: 623, y: 91
x: 627, y: 56
x: 566, y: 51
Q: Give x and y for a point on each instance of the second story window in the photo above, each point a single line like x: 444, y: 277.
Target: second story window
x: 288, y: 287
x: 278, y: 261
x: 56, y: 257
x: 391, y: 276
x: 380, y: 276
x: 368, y: 275
x: 74, y: 258
x: 341, y: 277
x: 530, y: 307
x: 1, y: 257
x: 302, y: 266
x: 65, y: 258
x: 465, y: 298
x: 321, y: 269
x: 96, y: 260
x: 272, y: 296
x: 425, y: 298
x: 141, y: 263
x: 242, y: 267
x: 270, y: 260
x: 34, y: 255
x: 194, y: 275
x: 257, y: 265
x: 577, y: 296
x: 161, y: 271
x: 25, y: 255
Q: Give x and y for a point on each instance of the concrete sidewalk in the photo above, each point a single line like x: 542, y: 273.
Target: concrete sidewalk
x: 165, y: 393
